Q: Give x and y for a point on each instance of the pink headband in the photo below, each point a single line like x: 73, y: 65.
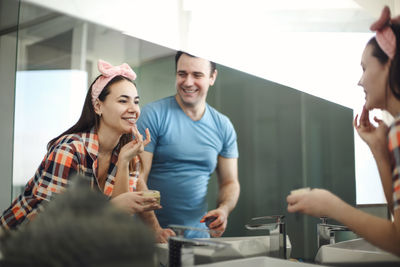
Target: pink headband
x: 384, y: 33
x: 108, y: 72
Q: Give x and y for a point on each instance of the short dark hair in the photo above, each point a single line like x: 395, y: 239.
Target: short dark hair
x: 213, y: 65
x: 79, y: 228
x: 394, y: 71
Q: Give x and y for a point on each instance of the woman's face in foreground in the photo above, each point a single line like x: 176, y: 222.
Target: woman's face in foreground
x: 120, y: 109
x: 374, y: 80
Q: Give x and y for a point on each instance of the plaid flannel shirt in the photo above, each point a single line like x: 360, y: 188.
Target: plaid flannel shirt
x: 394, y: 149
x: 71, y: 154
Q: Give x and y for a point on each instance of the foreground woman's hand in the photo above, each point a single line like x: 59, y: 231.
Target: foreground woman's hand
x: 134, y: 202
x: 317, y: 203
x: 375, y: 137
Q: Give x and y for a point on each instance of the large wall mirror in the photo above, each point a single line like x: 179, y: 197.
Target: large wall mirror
x: 287, y: 138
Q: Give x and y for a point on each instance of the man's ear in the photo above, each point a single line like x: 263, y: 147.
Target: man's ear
x: 213, y: 77
x: 97, y: 107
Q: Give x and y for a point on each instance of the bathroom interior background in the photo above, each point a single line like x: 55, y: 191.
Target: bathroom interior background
x: 288, y: 138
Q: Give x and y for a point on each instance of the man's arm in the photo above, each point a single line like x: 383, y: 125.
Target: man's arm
x: 229, y: 190
x: 149, y: 217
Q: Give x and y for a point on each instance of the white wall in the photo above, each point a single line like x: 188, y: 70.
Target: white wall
x: 34, y: 126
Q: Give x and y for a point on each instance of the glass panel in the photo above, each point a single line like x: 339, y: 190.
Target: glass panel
x: 49, y: 94
x: 8, y: 54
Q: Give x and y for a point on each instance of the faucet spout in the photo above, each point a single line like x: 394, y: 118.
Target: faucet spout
x: 277, y: 232
x: 181, y: 248
x: 326, y: 232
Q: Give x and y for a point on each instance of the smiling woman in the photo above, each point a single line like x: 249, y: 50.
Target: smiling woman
x: 381, y: 64
x: 118, y: 113
x: 99, y: 146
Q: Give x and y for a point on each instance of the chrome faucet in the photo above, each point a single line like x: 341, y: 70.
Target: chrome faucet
x: 277, y: 233
x: 326, y: 232
x: 181, y: 248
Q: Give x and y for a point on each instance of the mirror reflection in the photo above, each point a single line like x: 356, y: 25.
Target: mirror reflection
x: 286, y: 138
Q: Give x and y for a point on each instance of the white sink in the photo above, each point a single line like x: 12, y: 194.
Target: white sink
x: 259, y: 262
x: 239, y: 248
x: 356, y: 250
x: 251, y: 246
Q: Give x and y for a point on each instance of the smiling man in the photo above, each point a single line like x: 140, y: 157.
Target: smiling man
x: 190, y: 139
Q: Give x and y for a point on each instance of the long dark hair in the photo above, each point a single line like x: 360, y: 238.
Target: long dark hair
x: 89, y: 118
x: 394, y: 71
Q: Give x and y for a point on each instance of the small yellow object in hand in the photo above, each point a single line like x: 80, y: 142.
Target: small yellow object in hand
x: 300, y: 191
x: 152, y: 193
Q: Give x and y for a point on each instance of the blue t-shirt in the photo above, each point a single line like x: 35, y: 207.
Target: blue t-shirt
x: 185, y: 154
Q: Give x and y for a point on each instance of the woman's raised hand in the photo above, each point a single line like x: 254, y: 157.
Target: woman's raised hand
x: 374, y: 136
x: 139, y: 137
x: 136, y: 146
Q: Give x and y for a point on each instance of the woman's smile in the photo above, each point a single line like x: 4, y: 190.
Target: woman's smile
x: 131, y: 119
